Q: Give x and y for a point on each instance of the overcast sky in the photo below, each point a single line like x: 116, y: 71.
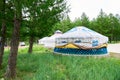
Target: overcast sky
x: 93, y: 7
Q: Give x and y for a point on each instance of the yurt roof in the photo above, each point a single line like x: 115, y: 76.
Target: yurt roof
x: 82, y: 32
x: 44, y: 38
x: 56, y: 34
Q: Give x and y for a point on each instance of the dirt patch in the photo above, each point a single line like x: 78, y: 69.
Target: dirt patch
x: 116, y: 55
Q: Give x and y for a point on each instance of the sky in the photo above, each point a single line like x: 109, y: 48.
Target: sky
x: 92, y: 7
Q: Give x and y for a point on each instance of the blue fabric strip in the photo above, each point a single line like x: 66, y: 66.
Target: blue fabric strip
x: 99, y: 51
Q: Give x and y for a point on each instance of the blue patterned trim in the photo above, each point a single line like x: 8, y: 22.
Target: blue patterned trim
x: 99, y: 51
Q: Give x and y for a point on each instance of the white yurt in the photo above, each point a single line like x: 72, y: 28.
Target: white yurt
x: 50, y: 42
x: 81, y: 40
x: 43, y: 40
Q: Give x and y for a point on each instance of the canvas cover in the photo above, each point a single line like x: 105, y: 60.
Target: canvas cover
x: 43, y: 40
x: 81, y: 36
x: 50, y: 42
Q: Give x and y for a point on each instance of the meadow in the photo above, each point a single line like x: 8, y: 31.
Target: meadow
x: 42, y: 64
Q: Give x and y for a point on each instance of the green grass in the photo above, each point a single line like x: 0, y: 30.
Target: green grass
x: 44, y: 65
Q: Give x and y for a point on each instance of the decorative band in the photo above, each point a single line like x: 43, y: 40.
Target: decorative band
x: 72, y: 45
x: 81, y: 51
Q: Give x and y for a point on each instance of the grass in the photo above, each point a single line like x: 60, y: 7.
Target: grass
x: 42, y: 64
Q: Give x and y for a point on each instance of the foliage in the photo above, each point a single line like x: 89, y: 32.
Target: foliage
x: 42, y: 15
x: 63, y: 26
x: 85, y: 20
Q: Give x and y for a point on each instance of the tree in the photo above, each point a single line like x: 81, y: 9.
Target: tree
x: 3, y: 32
x: 11, y: 67
x: 107, y: 25
x: 84, y: 20
x: 6, y: 15
x: 117, y: 29
x: 63, y: 26
x: 101, y: 23
x: 113, y: 27
x: 77, y: 22
x: 45, y: 14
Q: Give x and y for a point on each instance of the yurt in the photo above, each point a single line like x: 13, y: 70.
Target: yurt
x: 83, y: 41
x: 43, y: 40
x: 50, y: 42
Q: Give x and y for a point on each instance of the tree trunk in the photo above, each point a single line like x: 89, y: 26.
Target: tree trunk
x: 31, y: 40
x: 11, y: 67
x: 3, y: 33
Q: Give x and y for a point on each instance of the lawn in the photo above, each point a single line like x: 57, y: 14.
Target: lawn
x: 42, y: 64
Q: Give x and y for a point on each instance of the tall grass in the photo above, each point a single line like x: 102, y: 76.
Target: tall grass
x: 44, y: 65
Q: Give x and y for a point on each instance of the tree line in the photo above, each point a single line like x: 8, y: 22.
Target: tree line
x: 108, y: 25
x: 26, y: 20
